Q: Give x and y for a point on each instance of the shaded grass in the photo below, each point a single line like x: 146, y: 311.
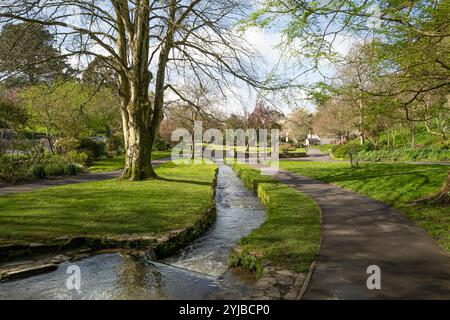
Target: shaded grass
x: 109, y: 207
x: 117, y: 163
x: 290, y: 237
x: 395, y: 184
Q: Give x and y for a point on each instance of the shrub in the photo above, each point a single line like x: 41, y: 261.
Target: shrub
x: 72, y: 169
x: 114, y: 143
x: 406, y: 154
x: 77, y: 157
x: 93, y: 148
x: 344, y: 151
x: 61, y: 169
x: 36, y: 172
x: 161, y: 145
x: 54, y: 169
x: 65, y: 145
x: 244, y: 259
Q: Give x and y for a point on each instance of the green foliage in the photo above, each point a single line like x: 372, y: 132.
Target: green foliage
x: 66, y: 144
x: 246, y: 260
x: 114, y: 144
x: 58, y: 168
x: 36, y: 172
x: 66, y: 109
x: 161, y: 144
x: 406, y: 154
x: 94, y: 148
x: 40, y: 165
x: 54, y: 169
x: 28, y: 53
x: 12, y: 115
x: 76, y: 157
x: 344, y: 151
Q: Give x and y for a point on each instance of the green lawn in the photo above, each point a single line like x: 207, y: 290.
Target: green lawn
x: 117, y: 163
x: 290, y: 237
x: 395, y: 184
x: 109, y: 207
x: 325, y: 148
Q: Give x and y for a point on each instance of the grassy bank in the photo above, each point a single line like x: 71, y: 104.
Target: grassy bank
x: 117, y: 163
x: 395, y: 184
x: 290, y: 236
x: 109, y: 207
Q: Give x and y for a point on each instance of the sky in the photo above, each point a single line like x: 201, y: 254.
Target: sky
x: 266, y: 41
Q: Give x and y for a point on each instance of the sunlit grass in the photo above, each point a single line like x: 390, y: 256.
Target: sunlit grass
x: 118, y: 163
x: 109, y: 207
x: 290, y: 236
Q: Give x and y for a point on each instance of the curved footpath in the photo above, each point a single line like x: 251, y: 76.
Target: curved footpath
x: 358, y: 232
x: 89, y: 177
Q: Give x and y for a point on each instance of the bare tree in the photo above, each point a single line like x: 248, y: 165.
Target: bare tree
x: 150, y: 44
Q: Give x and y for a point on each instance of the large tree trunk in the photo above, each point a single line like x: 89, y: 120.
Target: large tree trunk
x: 141, y: 117
x: 138, y: 164
x: 134, y: 81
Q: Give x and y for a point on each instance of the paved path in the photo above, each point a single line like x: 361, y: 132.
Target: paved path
x: 42, y: 184
x: 359, y: 232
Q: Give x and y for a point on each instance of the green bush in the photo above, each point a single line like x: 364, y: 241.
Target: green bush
x: 65, y: 145
x: 35, y: 168
x: 76, y: 157
x: 161, y: 145
x: 72, y: 169
x: 36, y: 172
x: 243, y: 258
x: 114, y: 144
x: 54, y: 169
x: 406, y: 154
x: 93, y: 148
x: 61, y: 169
x: 344, y: 151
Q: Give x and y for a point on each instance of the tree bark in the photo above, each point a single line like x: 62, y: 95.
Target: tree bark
x: 139, y: 129
x: 138, y: 165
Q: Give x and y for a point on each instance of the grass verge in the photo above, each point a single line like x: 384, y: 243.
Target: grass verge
x: 395, y: 184
x: 290, y: 237
x: 117, y: 163
x: 109, y: 207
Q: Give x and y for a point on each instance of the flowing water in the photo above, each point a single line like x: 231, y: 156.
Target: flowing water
x: 197, y: 272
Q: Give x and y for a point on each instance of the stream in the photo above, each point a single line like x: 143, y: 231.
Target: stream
x: 199, y: 271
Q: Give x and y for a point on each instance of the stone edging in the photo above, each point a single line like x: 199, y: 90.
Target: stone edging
x: 160, y: 247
